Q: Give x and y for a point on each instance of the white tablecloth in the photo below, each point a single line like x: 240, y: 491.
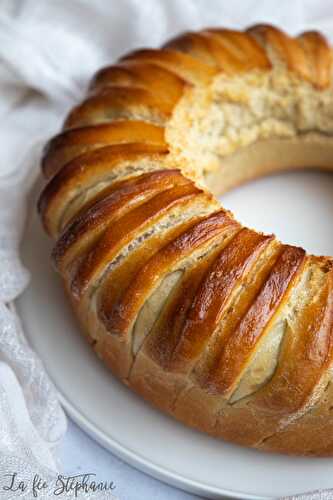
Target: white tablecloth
x: 79, y: 453
x: 48, y: 50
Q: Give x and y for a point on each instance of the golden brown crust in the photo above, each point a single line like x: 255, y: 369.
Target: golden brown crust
x: 123, y: 231
x: 227, y: 50
x: 192, y: 71
x: 306, y: 354
x: 87, y: 171
x: 110, y: 204
x: 308, y: 55
x: 319, y: 55
x: 224, y: 328
x: 161, y: 82
x: 72, y: 143
x: 212, y: 296
x: 236, y: 349
x: 119, y: 317
x: 117, y: 102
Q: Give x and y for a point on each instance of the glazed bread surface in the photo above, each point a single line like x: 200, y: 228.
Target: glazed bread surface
x: 224, y: 328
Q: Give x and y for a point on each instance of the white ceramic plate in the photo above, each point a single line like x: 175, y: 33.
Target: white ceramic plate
x: 300, y: 211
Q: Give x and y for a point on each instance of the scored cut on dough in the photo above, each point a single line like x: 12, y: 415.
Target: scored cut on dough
x: 222, y: 327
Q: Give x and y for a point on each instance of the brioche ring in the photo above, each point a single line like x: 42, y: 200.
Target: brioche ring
x: 222, y: 327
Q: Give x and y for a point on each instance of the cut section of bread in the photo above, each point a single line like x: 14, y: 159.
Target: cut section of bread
x: 224, y: 328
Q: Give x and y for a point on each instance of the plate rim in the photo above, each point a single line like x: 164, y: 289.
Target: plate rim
x: 144, y: 465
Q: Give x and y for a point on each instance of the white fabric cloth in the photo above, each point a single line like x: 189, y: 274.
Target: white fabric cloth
x: 48, y: 50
